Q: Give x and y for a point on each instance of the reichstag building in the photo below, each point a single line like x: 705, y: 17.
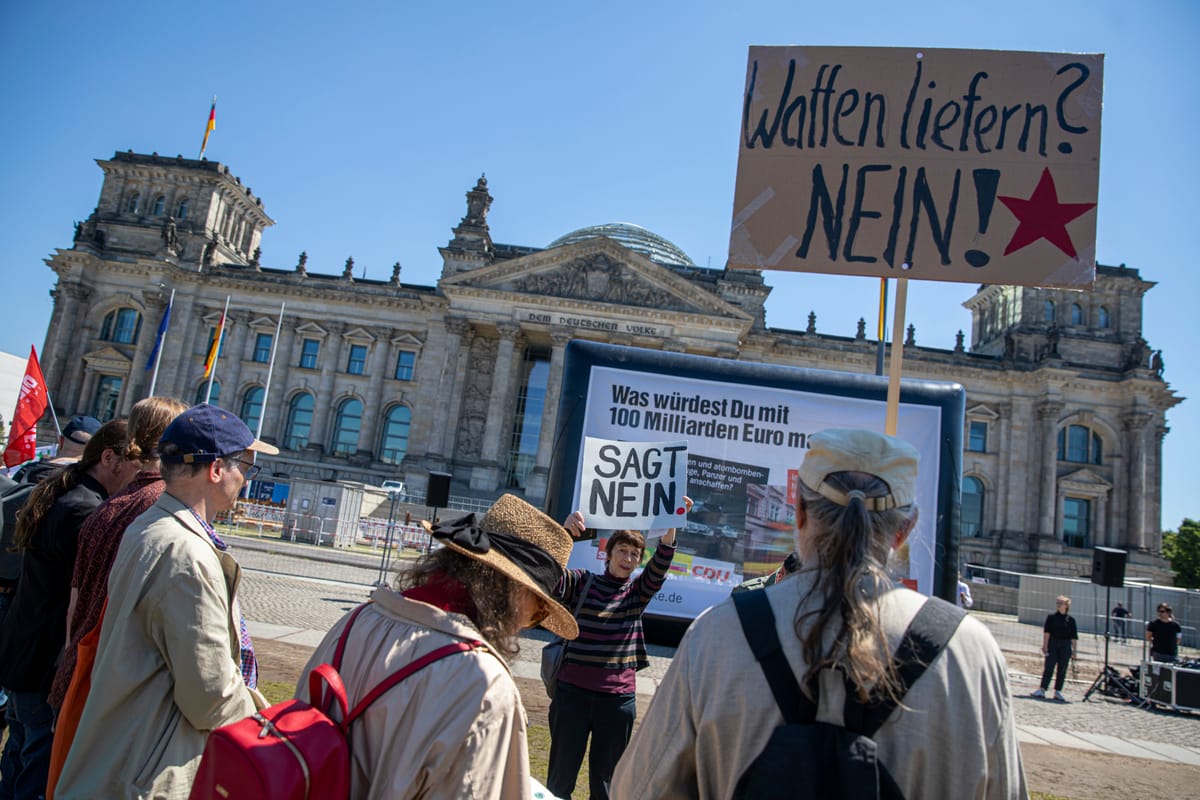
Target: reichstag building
x: 382, y: 379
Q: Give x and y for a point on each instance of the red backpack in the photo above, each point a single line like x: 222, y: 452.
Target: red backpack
x: 293, y: 750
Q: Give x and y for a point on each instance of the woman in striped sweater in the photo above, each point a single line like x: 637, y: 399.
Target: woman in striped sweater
x: 597, y: 684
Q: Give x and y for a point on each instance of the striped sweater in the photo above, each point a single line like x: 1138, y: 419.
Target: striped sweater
x: 610, y: 647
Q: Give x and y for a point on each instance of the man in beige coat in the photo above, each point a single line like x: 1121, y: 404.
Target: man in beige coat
x: 169, y: 664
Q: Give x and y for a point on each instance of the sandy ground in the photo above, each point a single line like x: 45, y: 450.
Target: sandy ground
x: 1063, y: 772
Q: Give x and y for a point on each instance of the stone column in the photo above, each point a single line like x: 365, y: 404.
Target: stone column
x: 275, y: 408
x: 1048, y: 413
x: 486, y: 476
x: 1154, y: 490
x: 323, y: 411
x: 378, y: 359
x: 191, y: 370
x: 138, y: 383
x: 236, y: 329
x: 1003, y: 450
x: 66, y: 316
x: 459, y: 335
x: 1135, y: 424
x: 539, y: 476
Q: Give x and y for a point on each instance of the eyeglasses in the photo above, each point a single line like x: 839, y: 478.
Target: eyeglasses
x: 249, y: 468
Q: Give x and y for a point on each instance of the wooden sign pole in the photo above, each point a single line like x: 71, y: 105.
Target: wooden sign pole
x: 897, y: 360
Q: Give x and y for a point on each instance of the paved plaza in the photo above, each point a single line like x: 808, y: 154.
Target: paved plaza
x: 294, y: 594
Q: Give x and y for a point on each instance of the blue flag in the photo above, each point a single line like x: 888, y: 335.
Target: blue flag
x: 162, y: 332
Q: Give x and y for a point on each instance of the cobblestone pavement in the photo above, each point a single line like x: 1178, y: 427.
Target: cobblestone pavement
x: 283, y: 605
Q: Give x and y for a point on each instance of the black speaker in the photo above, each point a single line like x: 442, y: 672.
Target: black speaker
x: 438, y: 493
x: 1108, y: 567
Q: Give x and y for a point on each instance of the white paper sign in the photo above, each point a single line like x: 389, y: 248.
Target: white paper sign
x: 635, y: 485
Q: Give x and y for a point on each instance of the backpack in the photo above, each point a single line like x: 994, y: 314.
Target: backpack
x: 294, y: 750
x: 12, y: 499
x: 836, y: 761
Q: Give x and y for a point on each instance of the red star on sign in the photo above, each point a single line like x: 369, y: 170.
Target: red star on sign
x: 1043, y: 217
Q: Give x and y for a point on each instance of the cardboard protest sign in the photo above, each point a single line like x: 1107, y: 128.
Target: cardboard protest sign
x: 952, y: 165
x: 636, y: 485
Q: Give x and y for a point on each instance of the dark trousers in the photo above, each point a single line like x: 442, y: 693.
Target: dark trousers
x: 1058, y: 655
x: 30, y: 728
x: 575, y: 713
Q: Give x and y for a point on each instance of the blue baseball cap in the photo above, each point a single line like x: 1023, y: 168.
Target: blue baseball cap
x: 205, y: 433
x: 81, y: 424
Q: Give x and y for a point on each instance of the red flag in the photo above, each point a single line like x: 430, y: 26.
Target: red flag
x: 31, y: 404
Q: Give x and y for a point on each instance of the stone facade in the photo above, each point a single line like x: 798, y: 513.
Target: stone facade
x: 384, y: 379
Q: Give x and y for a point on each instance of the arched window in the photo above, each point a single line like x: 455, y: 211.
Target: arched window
x: 121, y: 326
x: 1076, y: 314
x: 394, y: 443
x: 202, y: 390
x: 252, y: 406
x: 299, y: 421
x: 972, y: 506
x: 131, y: 205
x: 160, y: 205
x: 1102, y: 317
x: 183, y: 209
x: 1080, y: 444
x: 346, y: 427
x: 1048, y: 311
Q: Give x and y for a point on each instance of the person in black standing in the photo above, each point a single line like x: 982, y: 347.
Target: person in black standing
x: 1119, y: 614
x: 1058, y: 646
x: 1164, y: 634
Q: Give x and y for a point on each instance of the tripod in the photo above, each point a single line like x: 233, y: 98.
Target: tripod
x: 1109, y: 681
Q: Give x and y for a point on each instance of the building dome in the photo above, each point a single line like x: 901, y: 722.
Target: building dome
x: 635, y: 237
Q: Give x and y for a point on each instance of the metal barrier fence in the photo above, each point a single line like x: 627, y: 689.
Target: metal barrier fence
x: 1026, y: 600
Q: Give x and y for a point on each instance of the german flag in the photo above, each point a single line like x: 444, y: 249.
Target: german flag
x: 216, y: 346
x: 212, y: 124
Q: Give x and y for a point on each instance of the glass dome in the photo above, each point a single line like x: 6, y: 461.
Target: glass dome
x: 635, y: 237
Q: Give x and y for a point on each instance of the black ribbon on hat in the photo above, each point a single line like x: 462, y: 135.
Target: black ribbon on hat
x: 534, y: 561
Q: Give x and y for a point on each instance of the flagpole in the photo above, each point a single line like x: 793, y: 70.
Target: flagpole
x: 270, y: 369
x: 217, y: 352
x: 162, y: 338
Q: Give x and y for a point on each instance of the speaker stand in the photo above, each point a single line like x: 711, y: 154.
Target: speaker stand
x: 1108, y: 681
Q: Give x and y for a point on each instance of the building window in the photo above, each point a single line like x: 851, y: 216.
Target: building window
x: 1076, y: 524
x: 405, y: 362
x: 1048, y: 311
x: 394, y: 443
x: 1102, y: 317
x: 977, y: 436
x: 972, y: 507
x: 1076, y: 314
x: 299, y: 421
x: 160, y: 205
x: 108, y: 391
x: 252, y: 407
x: 182, y: 213
x: 131, y: 205
x: 262, y: 347
x: 308, y: 353
x: 1080, y: 444
x: 356, y: 364
x: 346, y: 427
x: 121, y: 326
x: 527, y: 422
x: 214, y: 398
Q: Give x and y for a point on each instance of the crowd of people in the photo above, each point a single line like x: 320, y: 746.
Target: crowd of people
x: 124, y: 644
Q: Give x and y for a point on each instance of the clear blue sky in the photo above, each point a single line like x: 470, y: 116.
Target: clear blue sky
x: 362, y: 128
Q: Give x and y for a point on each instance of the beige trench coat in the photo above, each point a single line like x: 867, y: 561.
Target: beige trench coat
x: 168, y: 665
x: 454, y: 730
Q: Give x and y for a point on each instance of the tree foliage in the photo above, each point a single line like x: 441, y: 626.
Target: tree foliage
x: 1182, y: 549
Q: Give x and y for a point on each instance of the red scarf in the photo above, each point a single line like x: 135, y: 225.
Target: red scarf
x: 445, y: 593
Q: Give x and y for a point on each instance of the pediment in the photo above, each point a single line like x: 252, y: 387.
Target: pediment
x: 312, y: 329
x: 262, y: 323
x: 982, y: 411
x: 108, y: 358
x: 1085, y: 478
x: 595, y: 271
x: 407, y: 339
x: 359, y: 335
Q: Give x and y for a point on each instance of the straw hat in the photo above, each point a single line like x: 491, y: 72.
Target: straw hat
x: 521, y: 543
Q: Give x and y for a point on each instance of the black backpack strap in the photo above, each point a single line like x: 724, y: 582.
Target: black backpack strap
x: 758, y: 623
x: 927, y: 636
